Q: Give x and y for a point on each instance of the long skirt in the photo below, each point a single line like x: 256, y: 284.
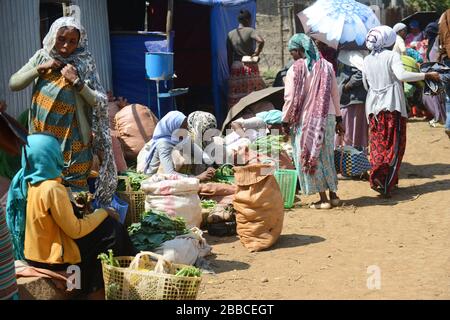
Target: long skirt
x: 325, y: 177
x: 244, y: 79
x: 436, y: 106
x: 110, y: 234
x: 8, y: 284
x: 387, y: 147
x: 356, y: 127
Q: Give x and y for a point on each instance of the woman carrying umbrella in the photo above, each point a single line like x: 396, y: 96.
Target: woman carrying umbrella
x: 312, y: 109
x: 383, y: 74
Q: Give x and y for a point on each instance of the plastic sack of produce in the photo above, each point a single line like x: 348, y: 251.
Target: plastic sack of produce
x: 176, y: 195
x: 259, y: 206
x: 185, y: 249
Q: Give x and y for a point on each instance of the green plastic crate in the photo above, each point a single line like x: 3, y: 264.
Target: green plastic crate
x: 287, y: 180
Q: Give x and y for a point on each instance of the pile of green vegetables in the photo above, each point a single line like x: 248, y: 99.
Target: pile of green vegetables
x: 155, y: 228
x: 268, y: 145
x: 223, y: 172
x: 135, y: 181
x: 189, y: 271
x: 209, y: 204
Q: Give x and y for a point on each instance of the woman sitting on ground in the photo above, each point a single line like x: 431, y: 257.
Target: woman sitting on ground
x: 161, y: 155
x: 46, y: 232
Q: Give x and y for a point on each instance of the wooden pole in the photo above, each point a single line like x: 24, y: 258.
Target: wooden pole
x: 170, y: 8
x: 280, y: 12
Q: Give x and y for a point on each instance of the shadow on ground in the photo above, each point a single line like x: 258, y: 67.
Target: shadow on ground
x: 426, y: 171
x: 295, y: 240
x: 401, y: 194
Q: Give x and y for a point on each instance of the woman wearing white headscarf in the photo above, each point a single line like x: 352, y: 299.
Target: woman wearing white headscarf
x: 69, y: 102
x: 383, y: 73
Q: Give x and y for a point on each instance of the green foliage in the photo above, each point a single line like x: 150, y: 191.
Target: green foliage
x: 429, y: 5
x: 155, y: 228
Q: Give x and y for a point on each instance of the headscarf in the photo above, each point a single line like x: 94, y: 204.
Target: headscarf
x: 198, y: 123
x: 301, y: 40
x: 380, y: 38
x: 164, y: 132
x: 271, y: 117
x: 399, y: 27
x: 84, y: 62
x: 414, y: 24
x: 42, y: 160
x: 431, y: 32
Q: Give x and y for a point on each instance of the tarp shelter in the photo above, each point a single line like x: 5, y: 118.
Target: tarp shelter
x: 200, y: 32
x: 223, y: 19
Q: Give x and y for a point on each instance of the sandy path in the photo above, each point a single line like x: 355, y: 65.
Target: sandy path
x: 326, y: 254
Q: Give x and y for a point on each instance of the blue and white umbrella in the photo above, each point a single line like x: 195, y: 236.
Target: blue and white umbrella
x: 339, y: 23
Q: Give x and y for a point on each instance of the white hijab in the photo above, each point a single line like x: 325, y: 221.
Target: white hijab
x: 380, y: 38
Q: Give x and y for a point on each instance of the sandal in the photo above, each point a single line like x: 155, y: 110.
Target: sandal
x: 321, y: 205
x: 335, y: 202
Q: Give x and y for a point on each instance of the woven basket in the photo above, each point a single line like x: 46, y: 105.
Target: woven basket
x: 130, y: 282
x: 135, y: 199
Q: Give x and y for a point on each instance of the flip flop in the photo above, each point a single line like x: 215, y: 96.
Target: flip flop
x: 321, y: 206
x: 335, y: 202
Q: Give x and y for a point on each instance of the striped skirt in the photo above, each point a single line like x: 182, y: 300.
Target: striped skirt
x: 8, y: 284
x: 53, y: 111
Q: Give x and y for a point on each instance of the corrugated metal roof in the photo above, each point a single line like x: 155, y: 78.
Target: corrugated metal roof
x: 19, y: 40
x: 94, y: 18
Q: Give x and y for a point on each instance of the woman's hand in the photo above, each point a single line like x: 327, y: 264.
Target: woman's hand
x: 52, y: 64
x: 340, y: 130
x: 70, y: 73
x: 207, y: 175
x: 285, y: 129
x: 433, y: 76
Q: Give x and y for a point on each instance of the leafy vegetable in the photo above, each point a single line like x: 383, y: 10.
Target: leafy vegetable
x: 109, y: 258
x: 209, y: 204
x: 189, y: 271
x: 268, y: 144
x: 155, y: 228
x: 135, y: 181
x: 223, y: 172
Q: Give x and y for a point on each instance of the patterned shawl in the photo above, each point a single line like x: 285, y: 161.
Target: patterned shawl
x: 84, y: 62
x: 310, y: 109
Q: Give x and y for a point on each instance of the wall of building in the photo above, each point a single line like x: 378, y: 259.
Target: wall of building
x: 19, y: 40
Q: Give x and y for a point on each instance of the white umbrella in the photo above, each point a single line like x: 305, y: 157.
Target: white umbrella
x: 339, y: 23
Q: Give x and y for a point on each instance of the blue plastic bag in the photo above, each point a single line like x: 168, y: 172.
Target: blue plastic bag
x: 119, y: 205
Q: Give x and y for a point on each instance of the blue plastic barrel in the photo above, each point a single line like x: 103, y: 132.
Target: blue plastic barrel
x: 159, y: 65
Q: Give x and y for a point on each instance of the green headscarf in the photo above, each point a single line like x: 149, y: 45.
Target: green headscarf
x: 271, y: 117
x: 301, y: 40
x: 42, y: 160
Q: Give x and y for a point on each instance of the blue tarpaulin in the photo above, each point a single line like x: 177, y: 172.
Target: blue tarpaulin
x: 128, y: 57
x: 224, y: 18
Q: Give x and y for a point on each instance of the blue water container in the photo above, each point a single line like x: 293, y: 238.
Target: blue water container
x: 159, y: 65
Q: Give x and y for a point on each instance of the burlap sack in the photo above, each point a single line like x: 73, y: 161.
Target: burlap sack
x: 259, y: 207
x: 135, y: 124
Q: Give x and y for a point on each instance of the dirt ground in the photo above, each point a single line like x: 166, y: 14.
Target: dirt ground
x: 333, y: 254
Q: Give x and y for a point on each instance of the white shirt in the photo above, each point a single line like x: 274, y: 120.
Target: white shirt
x: 399, y: 46
x: 382, y: 77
